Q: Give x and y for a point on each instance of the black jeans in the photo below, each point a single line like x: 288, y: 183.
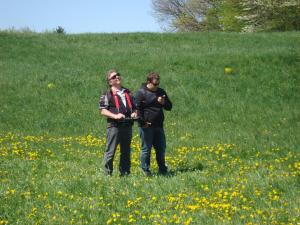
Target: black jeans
x: 118, y: 135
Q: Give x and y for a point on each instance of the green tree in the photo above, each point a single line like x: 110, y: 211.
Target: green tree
x: 267, y: 15
x: 60, y: 30
x: 212, y: 20
x: 229, y: 13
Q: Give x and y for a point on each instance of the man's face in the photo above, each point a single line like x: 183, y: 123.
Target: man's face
x: 155, y: 82
x: 114, y: 78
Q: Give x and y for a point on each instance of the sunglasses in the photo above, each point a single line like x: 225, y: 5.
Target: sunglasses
x: 116, y: 76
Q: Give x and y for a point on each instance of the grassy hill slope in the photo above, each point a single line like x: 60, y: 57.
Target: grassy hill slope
x: 258, y: 102
x: 233, y: 139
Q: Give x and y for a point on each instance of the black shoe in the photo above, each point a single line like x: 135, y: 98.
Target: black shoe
x: 148, y: 173
x: 109, y: 174
x: 163, y: 172
x: 123, y: 174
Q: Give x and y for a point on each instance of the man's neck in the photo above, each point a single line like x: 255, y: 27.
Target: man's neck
x: 116, y: 88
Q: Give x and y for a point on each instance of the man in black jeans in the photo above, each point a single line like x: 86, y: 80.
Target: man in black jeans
x: 151, y: 100
x: 117, y: 105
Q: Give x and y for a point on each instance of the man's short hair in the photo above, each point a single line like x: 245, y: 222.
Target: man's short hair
x: 152, y: 76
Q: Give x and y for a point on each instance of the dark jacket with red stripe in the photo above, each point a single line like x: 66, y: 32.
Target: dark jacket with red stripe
x: 114, y: 104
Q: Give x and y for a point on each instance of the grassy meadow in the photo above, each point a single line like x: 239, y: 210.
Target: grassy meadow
x: 232, y: 139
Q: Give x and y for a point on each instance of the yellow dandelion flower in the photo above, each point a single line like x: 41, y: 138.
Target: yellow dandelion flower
x: 193, y: 207
x: 51, y: 85
x: 188, y: 221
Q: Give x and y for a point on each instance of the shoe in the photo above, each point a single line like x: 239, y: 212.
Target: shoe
x: 123, y: 174
x: 163, y: 173
x: 148, y: 173
x: 109, y: 174
x: 163, y: 170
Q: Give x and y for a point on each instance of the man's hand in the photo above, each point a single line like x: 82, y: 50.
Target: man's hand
x: 133, y: 115
x: 147, y: 124
x: 119, y: 116
x: 161, y: 99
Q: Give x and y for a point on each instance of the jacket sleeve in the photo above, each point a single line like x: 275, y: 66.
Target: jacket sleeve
x: 133, y: 101
x: 168, y: 104
x: 139, y: 99
x: 103, y: 101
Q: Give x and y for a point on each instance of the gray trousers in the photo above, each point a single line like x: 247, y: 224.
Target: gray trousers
x: 118, y: 135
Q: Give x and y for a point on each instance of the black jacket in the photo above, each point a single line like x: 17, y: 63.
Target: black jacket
x: 107, y: 102
x: 149, y: 109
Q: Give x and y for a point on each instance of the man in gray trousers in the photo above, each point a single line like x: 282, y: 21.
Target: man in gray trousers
x: 116, y: 104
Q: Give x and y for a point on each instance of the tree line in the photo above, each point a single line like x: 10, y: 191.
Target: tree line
x: 228, y: 15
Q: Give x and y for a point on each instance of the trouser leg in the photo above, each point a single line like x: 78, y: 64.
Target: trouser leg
x: 111, y: 145
x: 146, y: 135
x: 125, y: 135
x: 159, y: 144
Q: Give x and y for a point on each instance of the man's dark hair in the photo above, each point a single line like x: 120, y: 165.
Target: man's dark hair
x: 152, y: 76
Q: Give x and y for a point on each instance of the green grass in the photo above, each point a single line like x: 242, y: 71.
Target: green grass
x: 232, y: 140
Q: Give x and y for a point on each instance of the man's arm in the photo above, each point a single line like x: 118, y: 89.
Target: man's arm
x: 168, y: 104
x: 165, y: 101
x: 134, y: 109
x: 139, y: 101
x: 103, y: 109
x: 139, y: 97
x: 107, y: 113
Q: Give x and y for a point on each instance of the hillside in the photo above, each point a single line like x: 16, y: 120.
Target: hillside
x: 260, y: 97
x: 232, y: 139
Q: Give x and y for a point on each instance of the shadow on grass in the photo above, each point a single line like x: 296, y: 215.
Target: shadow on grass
x: 172, y: 173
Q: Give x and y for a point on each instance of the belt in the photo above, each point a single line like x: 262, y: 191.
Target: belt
x: 120, y: 124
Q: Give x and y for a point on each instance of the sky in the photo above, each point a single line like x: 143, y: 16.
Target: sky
x: 79, y: 16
